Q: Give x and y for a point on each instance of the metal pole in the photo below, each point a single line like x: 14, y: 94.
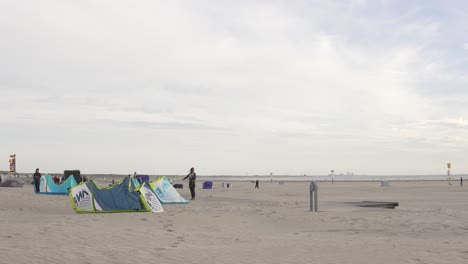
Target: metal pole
x: 316, y: 199
x: 313, y: 196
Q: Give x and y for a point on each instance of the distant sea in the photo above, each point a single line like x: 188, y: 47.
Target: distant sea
x: 296, y: 178
x: 339, y: 178
x: 284, y: 178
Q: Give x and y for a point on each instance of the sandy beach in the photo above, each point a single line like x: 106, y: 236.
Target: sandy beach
x: 244, y: 225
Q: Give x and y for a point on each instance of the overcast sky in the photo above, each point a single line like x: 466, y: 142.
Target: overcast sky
x: 234, y: 87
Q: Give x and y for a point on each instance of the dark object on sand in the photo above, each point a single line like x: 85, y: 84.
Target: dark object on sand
x: 74, y: 173
x: 388, y: 205
x: 11, y: 183
x: 143, y: 178
x: 208, y: 185
x: 178, y: 186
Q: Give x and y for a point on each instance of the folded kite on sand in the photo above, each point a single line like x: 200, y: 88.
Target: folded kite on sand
x: 166, y: 193
x: 48, y: 186
x: 128, y: 195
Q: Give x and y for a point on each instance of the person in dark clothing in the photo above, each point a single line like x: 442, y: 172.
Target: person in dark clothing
x: 256, y: 185
x: 192, y: 176
x: 37, y: 179
x: 461, y: 181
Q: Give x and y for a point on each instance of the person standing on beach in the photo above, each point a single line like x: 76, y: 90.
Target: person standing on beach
x: 461, y: 181
x: 192, y: 176
x: 256, y: 185
x: 37, y: 179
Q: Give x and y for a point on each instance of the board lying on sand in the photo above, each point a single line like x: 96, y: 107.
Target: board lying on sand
x: 389, y: 205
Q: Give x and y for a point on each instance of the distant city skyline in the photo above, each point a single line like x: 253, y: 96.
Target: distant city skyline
x: 235, y: 87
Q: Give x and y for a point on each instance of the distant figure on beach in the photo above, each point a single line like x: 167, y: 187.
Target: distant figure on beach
x: 256, y: 185
x: 461, y: 181
x: 37, y: 179
x: 56, y: 179
x: 192, y: 176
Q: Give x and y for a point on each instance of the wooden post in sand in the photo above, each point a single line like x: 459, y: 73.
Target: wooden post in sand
x: 313, y: 196
x: 449, y: 165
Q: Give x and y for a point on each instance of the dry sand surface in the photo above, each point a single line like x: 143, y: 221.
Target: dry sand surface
x: 243, y: 225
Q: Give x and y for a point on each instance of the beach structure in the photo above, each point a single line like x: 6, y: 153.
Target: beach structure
x: 384, y: 183
x: 48, y: 186
x: 225, y: 185
x: 10, y: 183
x: 207, y: 185
x: 12, y: 162
x: 165, y: 192
x: 127, y: 195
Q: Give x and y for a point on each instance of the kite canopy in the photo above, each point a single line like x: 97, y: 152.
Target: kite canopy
x: 166, y: 193
x: 48, y: 186
x: 126, y: 195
